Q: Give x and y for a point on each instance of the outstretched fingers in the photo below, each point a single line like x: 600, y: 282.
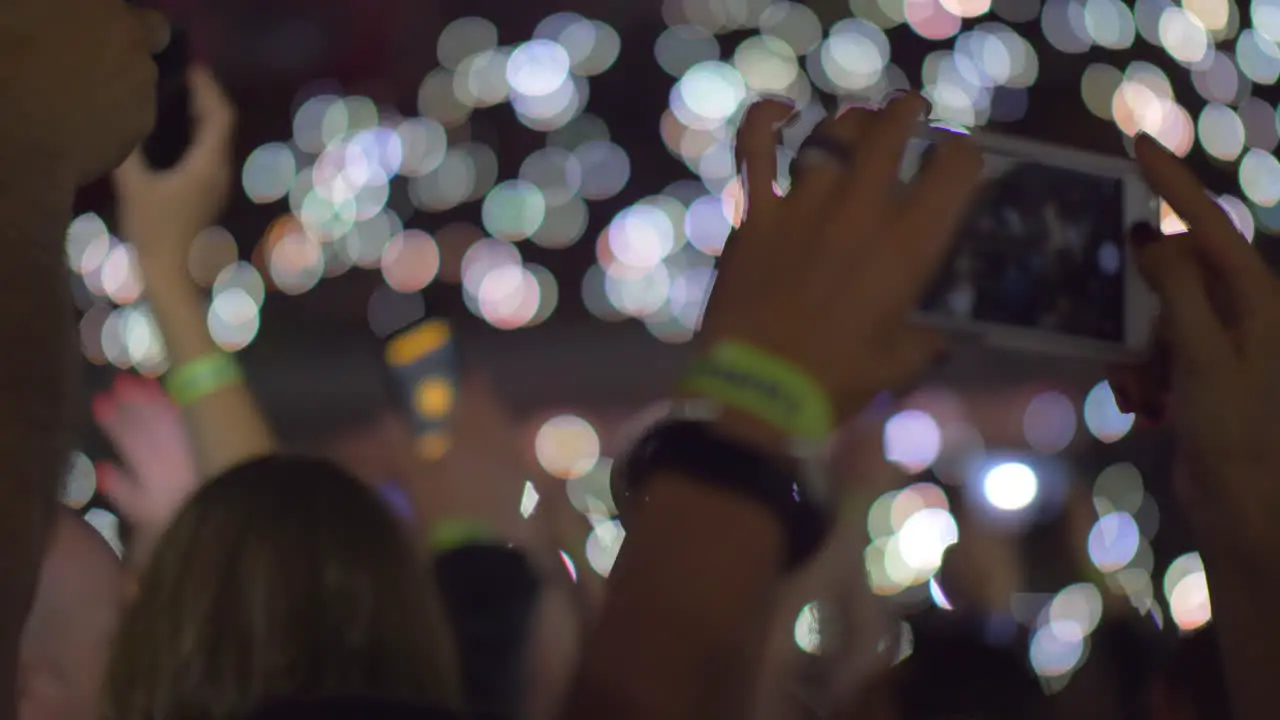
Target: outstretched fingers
x: 936, y: 202
x: 1192, y: 326
x: 757, y: 153
x: 872, y: 184
x: 1247, y: 279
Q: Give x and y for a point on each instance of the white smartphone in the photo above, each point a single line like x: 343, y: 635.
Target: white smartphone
x: 1042, y: 262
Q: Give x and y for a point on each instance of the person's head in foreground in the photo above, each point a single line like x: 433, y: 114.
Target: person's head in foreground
x: 283, y: 579
x: 68, y: 633
x: 1193, y: 685
x: 953, y: 677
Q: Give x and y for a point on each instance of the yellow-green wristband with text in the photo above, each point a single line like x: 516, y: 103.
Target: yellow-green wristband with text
x: 193, y: 381
x: 756, y: 382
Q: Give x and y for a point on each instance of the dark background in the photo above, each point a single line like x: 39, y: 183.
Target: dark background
x: 272, y: 54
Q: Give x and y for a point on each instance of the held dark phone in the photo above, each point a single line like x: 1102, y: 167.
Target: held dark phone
x: 167, y: 143
x: 424, y: 366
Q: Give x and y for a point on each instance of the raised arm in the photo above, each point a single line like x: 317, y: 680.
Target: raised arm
x: 161, y: 212
x: 1221, y: 319
x: 36, y: 384
x: 807, y: 322
x: 77, y: 87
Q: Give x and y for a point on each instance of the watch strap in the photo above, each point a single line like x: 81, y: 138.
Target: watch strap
x: 695, y: 451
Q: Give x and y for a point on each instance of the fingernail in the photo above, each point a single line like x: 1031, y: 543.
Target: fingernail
x: 1123, y: 401
x: 789, y: 122
x: 1143, y: 235
x: 159, y: 30
x: 848, y: 106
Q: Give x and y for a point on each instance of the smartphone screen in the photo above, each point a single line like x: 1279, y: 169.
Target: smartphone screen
x: 1043, y: 248
x: 423, y: 363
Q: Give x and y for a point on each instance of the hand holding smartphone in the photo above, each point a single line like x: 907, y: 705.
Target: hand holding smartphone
x: 1042, y: 262
x: 171, y: 137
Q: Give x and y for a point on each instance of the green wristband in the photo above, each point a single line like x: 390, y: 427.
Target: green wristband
x: 193, y: 381
x: 447, y: 535
x: 773, y: 390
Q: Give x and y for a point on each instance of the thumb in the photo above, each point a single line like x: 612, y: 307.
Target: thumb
x: 213, y: 113
x: 156, y: 29
x: 131, y: 173
x: 1169, y: 264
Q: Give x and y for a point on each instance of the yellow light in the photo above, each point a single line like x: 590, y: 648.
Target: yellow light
x: 417, y: 344
x: 433, y: 397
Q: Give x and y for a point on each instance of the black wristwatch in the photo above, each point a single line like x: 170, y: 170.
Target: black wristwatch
x: 696, y: 452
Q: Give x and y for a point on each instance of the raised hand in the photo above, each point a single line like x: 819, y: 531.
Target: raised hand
x: 1221, y: 347
x: 815, y: 291
x: 827, y: 276
x: 1221, y: 337
x: 159, y: 470
x: 81, y: 93
x: 161, y: 212
x: 482, y: 476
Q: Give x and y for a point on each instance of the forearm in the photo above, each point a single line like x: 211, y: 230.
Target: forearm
x: 689, y: 600
x: 36, y: 386
x: 226, y: 427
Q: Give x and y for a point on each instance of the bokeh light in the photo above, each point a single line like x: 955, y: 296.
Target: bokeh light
x: 1010, y: 486
x: 1103, y: 417
x: 912, y: 440
x: 567, y: 447
x: 1186, y: 589
x: 511, y: 185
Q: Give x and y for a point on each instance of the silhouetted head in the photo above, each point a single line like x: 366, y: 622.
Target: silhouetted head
x: 283, y: 578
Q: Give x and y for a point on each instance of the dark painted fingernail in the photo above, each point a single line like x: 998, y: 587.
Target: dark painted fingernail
x: 1123, y: 401
x: 1152, y: 411
x: 1143, y: 234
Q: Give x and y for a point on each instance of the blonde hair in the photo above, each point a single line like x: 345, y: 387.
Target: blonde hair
x: 284, y: 578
